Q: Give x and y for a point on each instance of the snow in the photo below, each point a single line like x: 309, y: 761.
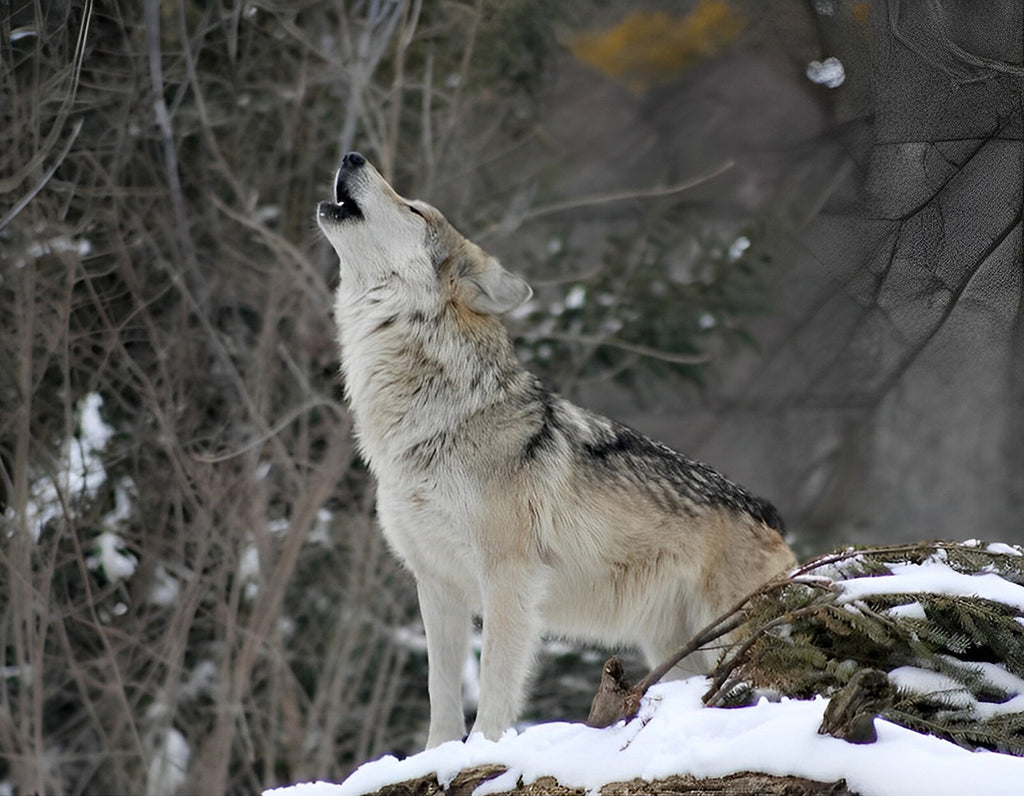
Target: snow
x: 110, y: 557
x: 925, y: 681
x: 61, y: 243
x: 829, y: 73
x: 997, y: 676
x: 1004, y: 549
x: 738, y: 247
x: 576, y: 298
x: 249, y: 572
x: 86, y: 473
x: 164, y: 590
x: 912, y: 610
x: 81, y: 472
x: 168, y: 768
x: 935, y: 577
x: 675, y: 734
x: 953, y: 694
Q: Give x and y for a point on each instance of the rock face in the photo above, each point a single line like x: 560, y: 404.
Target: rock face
x: 886, y: 402
x: 899, y: 381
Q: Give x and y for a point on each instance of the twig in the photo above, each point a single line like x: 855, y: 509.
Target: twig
x: 636, y: 193
x: 314, y: 286
x: 719, y: 684
x: 607, y: 198
x: 23, y: 202
x: 389, y: 153
x: 8, y: 184
x: 281, y: 425
x: 633, y: 348
x: 11, y: 183
x: 163, y: 120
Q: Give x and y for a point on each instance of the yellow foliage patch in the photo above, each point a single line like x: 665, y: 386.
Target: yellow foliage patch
x: 651, y: 47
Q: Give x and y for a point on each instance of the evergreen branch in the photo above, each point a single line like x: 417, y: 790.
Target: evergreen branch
x: 726, y: 668
x: 827, y: 645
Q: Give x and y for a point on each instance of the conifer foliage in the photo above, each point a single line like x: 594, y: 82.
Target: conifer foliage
x: 945, y: 621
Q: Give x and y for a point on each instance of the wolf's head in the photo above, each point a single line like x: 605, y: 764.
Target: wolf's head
x: 383, y: 240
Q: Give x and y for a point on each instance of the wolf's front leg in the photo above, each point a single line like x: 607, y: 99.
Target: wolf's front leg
x: 447, y: 620
x: 510, y: 637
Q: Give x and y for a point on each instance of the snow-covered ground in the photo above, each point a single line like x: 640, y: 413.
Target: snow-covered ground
x: 675, y: 734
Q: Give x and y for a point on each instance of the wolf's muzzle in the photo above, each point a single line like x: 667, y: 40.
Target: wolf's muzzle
x: 352, y: 162
x: 344, y: 206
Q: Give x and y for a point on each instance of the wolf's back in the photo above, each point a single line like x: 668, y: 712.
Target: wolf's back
x: 610, y: 452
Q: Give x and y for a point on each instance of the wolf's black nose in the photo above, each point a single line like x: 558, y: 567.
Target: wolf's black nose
x: 353, y: 160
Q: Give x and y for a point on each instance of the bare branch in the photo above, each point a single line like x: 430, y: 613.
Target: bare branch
x: 508, y: 225
x: 633, y: 348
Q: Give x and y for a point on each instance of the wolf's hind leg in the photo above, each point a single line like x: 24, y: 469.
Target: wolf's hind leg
x: 447, y: 620
x: 671, y: 630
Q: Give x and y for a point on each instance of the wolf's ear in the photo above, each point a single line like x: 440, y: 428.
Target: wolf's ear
x: 494, y: 291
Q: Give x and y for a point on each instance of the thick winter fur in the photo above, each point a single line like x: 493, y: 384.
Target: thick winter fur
x: 503, y: 498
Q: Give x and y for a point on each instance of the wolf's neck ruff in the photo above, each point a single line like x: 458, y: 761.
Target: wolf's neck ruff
x: 410, y: 381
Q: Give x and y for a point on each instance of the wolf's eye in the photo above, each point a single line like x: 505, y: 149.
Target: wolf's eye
x: 417, y: 212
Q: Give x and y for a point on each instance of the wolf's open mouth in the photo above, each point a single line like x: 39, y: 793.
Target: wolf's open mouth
x: 344, y: 206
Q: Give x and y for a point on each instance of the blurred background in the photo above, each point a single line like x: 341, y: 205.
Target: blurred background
x: 783, y: 236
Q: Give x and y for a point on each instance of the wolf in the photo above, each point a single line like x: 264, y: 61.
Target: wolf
x: 505, y: 500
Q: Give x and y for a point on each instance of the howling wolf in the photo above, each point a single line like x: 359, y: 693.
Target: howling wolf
x: 503, y: 498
